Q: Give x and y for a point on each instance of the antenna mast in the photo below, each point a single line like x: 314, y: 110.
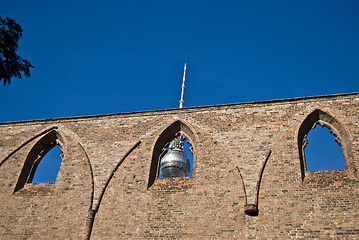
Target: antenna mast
x: 184, y: 79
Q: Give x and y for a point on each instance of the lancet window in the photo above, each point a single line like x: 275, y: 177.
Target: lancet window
x: 338, y: 133
x: 173, y: 153
x: 44, y: 158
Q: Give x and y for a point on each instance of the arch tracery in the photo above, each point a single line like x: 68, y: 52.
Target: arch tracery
x: 324, y: 119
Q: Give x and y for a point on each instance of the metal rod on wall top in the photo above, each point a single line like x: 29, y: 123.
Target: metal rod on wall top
x: 184, y: 79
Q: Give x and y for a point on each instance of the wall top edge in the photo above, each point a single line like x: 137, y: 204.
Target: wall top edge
x: 188, y: 109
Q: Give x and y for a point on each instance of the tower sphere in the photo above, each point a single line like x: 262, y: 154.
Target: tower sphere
x: 175, y: 162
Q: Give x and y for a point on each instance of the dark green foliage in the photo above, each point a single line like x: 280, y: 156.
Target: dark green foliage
x: 11, y: 65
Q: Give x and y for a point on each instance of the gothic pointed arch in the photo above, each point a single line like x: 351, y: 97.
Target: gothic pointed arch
x: 36, y: 154
x: 336, y: 128
x: 162, y: 142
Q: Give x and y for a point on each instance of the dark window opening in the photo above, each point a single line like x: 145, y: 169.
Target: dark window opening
x: 45, y: 170
x: 322, y: 152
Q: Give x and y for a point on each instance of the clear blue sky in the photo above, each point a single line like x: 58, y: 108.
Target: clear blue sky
x: 94, y: 57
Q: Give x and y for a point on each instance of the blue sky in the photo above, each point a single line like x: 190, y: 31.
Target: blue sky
x: 322, y: 152
x: 94, y: 57
x: 48, y: 167
x: 123, y: 56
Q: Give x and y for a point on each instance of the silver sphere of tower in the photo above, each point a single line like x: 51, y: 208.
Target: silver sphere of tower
x: 175, y: 162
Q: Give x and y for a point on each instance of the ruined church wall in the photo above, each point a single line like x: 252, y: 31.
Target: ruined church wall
x: 243, y: 154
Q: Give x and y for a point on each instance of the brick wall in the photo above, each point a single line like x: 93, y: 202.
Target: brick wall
x: 243, y: 154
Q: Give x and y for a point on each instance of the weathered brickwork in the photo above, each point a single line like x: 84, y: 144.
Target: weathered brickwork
x: 246, y: 157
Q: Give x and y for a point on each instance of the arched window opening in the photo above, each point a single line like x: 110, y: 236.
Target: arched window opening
x: 41, y: 166
x: 341, y: 138
x: 45, y: 170
x: 322, y: 152
x: 172, y: 162
x: 163, y: 146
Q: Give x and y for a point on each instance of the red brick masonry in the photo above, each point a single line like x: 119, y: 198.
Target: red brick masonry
x: 248, y: 157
